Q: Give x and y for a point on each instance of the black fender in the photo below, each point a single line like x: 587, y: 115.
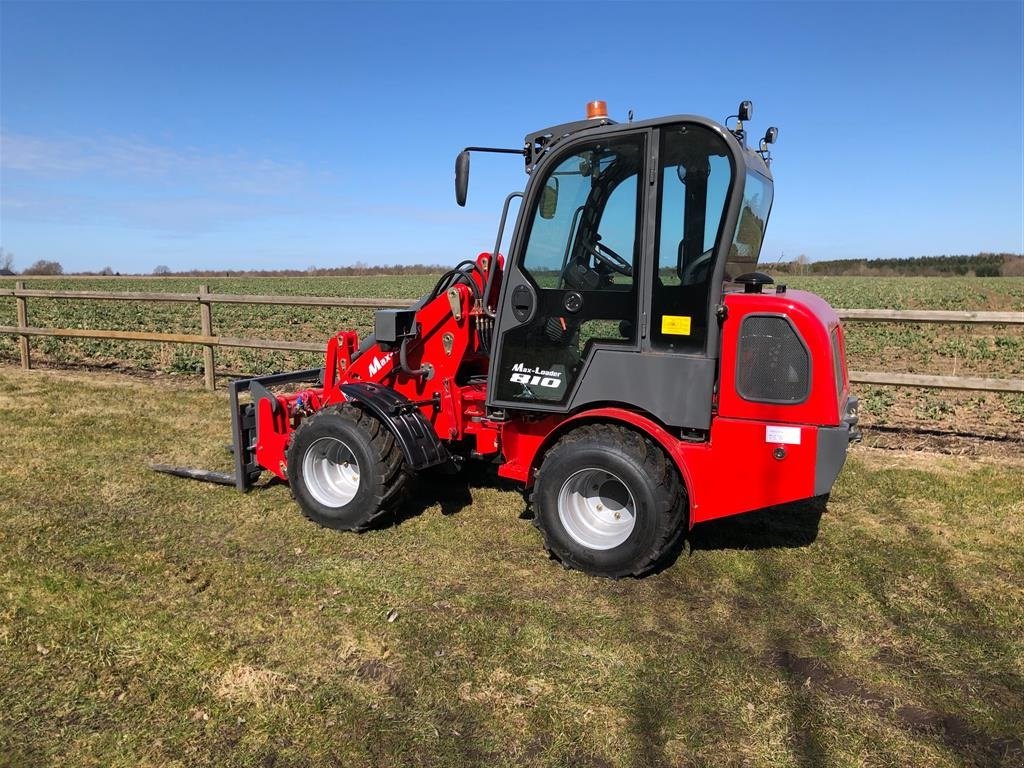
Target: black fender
x: 415, y: 435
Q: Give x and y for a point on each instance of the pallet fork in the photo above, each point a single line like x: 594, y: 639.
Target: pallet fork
x: 243, y: 429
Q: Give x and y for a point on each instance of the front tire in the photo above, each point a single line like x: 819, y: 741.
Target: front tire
x: 345, y: 468
x: 608, y: 501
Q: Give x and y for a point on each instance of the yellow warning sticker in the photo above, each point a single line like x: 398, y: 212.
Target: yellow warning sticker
x: 676, y: 325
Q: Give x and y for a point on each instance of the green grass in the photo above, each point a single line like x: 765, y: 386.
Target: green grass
x: 146, y: 620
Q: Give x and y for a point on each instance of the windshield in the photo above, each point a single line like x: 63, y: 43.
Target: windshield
x: 590, y: 198
x: 746, y: 246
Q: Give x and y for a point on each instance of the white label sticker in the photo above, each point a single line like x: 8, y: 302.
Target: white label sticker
x: 784, y: 435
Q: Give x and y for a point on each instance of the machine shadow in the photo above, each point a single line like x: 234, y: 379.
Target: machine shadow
x: 452, y: 492
x: 784, y: 526
x: 779, y: 527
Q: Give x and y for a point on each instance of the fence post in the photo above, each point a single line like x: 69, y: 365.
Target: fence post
x: 22, y: 307
x: 206, y: 324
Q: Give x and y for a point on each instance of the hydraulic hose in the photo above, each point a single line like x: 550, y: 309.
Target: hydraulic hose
x: 403, y: 361
x: 459, y: 273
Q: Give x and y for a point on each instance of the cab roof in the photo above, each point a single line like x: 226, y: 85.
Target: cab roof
x: 539, y: 144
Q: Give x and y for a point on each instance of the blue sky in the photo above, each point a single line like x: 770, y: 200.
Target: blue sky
x: 264, y: 135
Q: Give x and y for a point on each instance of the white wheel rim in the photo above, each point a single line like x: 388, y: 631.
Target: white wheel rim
x: 331, y: 472
x: 596, y: 509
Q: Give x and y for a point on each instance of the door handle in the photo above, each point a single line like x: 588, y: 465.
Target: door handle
x: 522, y: 303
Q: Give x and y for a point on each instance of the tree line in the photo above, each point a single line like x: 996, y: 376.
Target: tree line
x: 45, y: 268
x: 976, y: 265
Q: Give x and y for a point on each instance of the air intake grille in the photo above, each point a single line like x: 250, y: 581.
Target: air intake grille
x: 837, y: 362
x: 773, y: 365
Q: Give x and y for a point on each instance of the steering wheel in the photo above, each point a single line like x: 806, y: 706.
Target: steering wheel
x: 702, y: 262
x: 608, y: 257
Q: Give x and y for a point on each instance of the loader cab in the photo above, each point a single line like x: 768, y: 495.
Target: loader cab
x: 616, y: 267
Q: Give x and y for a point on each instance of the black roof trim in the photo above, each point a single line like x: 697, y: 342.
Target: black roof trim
x: 538, y: 144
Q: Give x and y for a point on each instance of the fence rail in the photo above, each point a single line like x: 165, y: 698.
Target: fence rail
x: 975, y: 383
x: 204, y: 297
x: 209, y: 340
x: 932, y: 316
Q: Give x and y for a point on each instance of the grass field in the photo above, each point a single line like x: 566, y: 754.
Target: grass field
x: 150, y: 621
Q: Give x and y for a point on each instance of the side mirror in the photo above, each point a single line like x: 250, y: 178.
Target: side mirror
x: 461, y: 177
x: 771, y: 135
x: 746, y: 111
x: 549, y: 200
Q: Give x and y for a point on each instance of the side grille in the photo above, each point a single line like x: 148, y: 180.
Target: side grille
x: 837, y: 362
x: 773, y: 365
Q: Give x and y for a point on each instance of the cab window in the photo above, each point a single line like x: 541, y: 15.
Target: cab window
x: 696, y: 174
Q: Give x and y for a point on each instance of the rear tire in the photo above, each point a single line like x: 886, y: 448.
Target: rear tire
x: 345, y: 468
x: 608, y: 501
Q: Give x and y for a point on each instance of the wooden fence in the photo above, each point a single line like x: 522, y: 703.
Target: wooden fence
x: 209, y: 340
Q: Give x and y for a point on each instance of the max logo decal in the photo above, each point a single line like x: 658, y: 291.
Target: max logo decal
x: 379, y: 362
x: 535, y: 376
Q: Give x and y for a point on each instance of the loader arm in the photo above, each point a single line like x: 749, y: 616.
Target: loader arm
x: 422, y: 374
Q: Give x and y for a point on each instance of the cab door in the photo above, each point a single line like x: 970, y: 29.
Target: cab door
x: 573, y: 283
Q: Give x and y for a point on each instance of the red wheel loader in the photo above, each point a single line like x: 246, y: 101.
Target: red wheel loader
x: 624, y: 362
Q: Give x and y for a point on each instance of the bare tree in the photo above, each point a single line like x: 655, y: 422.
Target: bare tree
x: 6, y: 261
x: 43, y: 267
x: 162, y: 269
x: 107, y: 271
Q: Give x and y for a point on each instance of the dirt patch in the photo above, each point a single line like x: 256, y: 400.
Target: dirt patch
x: 92, y: 371
x: 952, y: 730
x: 960, y: 443
x: 244, y: 684
x: 938, y: 451
x: 372, y: 669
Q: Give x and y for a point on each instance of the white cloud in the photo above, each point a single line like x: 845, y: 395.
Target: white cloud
x: 182, y: 192
x: 135, y: 183
x: 133, y: 159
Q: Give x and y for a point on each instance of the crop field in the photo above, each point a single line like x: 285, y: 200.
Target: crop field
x: 268, y: 322
x: 151, y: 621
x: 996, y: 351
